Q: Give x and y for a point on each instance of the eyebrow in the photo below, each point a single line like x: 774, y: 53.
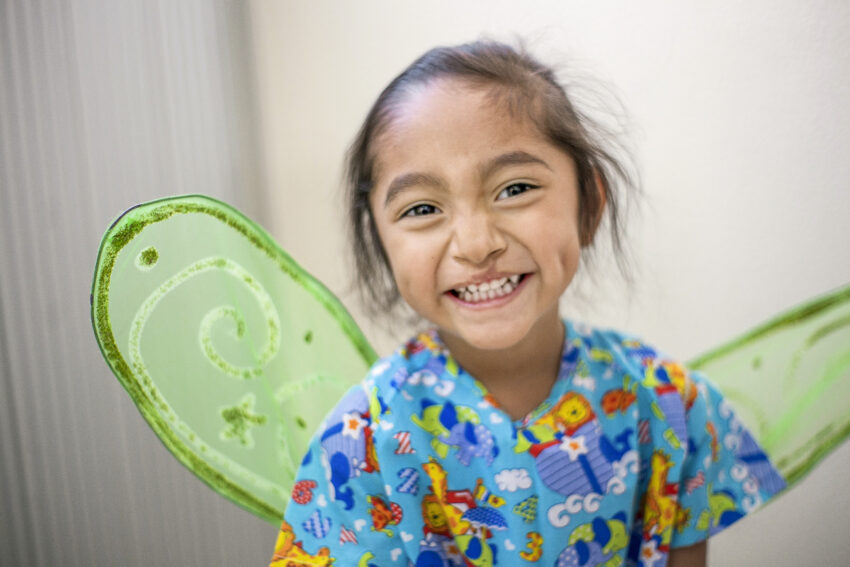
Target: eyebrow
x: 408, y: 180
x: 518, y: 157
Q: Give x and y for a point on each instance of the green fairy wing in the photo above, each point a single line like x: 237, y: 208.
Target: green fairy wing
x: 789, y: 381
x: 231, y: 351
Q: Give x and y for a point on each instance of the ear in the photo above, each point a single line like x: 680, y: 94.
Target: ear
x: 592, y: 208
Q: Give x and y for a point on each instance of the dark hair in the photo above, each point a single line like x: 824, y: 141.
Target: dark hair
x: 523, y: 84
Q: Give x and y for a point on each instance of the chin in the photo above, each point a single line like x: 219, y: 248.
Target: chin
x: 486, y: 339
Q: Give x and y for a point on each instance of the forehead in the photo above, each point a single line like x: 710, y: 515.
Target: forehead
x: 450, y: 118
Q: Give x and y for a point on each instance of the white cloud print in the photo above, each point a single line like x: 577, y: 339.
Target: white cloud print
x: 513, y: 479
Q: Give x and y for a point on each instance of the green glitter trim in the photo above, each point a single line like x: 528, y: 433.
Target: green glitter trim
x: 147, y: 258
x: 791, y: 318
x: 240, y: 420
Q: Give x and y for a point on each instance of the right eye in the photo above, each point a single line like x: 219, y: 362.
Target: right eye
x: 515, y: 189
x: 420, y: 210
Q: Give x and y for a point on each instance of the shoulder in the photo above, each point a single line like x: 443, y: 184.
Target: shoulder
x: 665, y: 389
x: 417, y: 361
x: 632, y: 355
x: 640, y: 362
x: 609, y: 346
x: 420, y: 361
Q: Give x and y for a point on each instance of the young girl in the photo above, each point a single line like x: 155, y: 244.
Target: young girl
x: 505, y: 435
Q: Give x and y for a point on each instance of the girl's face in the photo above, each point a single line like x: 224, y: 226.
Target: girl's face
x: 478, y: 214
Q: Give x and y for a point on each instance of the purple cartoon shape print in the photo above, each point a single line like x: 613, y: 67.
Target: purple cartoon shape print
x: 438, y: 551
x: 348, y: 446
x: 458, y: 427
x: 472, y: 440
x: 758, y: 465
x: 578, y: 457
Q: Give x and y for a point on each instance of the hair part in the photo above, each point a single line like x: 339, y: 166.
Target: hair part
x: 526, y: 88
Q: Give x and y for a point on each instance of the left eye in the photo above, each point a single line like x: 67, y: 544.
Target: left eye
x: 420, y: 210
x: 515, y: 189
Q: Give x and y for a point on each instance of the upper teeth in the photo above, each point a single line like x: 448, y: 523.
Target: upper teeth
x: 488, y: 290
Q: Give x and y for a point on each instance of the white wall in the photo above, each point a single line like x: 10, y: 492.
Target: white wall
x: 741, y: 126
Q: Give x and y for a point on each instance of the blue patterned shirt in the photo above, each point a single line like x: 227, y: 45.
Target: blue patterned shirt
x: 629, y: 456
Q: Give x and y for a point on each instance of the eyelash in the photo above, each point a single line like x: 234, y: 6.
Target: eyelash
x: 416, y: 210
x: 525, y: 186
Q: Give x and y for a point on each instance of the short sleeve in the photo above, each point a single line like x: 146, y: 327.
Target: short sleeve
x: 337, y: 515
x: 725, y: 474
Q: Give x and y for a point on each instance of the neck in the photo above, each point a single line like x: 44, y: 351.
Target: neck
x: 519, y: 377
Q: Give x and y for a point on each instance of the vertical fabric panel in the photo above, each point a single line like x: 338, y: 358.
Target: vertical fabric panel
x: 104, y: 105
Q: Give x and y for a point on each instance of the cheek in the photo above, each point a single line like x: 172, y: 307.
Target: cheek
x: 567, y: 255
x: 558, y: 240
x: 413, y: 270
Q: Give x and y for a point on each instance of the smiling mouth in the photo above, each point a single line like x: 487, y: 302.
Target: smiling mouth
x: 485, y: 291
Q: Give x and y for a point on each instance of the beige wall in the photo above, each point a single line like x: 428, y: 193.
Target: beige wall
x: 740, y: 122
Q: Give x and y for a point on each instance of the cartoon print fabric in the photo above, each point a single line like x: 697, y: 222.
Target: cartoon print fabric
x: 630, y: 455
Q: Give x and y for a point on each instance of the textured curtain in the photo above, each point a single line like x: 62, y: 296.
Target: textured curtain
x: 103, y: 105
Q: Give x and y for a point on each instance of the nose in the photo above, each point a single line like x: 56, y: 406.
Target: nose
x: 476, y: 239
